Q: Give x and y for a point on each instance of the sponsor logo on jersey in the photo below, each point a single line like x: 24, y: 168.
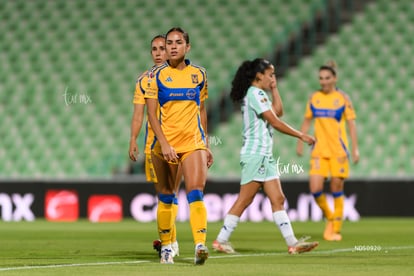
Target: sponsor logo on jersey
x: 191, y: 94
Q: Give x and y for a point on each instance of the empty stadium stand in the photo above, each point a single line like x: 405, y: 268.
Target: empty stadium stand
x: 68, y: 70
x: 373, y: 54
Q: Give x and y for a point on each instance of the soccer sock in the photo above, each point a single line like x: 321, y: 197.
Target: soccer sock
x: 174, y: 213
x: 338, y: 211
x: 282, y: 221
x: 198, y: 216
x: 230, y: 223
x: 320, y: 199
x: 165, y: 218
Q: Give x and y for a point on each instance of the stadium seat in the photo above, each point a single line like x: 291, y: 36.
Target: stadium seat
x: 99, y: 48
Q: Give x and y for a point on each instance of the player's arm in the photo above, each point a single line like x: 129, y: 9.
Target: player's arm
x: 354, y: 140
x: 283, y: 127
x: 203, y: 117
x: 350, y: 118
x: 136, y: 124
x: 277, y: 104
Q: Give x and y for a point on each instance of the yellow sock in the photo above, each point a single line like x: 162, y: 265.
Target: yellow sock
x: 320, y: 199
x: 165, y: 219
x: 198, y: 216
x: 174, y: 228
x: 338, y: 211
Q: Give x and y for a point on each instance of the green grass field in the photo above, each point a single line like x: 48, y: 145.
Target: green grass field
x: 370, y: 247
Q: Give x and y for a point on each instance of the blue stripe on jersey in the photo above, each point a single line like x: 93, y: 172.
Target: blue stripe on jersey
x: 344, y: 147
x: 328, y: 113
x: 201, y: 129
x: 167, y: 94
x: 146, y: 134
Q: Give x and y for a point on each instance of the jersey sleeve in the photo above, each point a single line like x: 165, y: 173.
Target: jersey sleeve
x: 349, y: 109
x: 139, y: 93
x: 259, y: 101
x: 204, y: 88
x: 308, y: 110
x: 151, y: 87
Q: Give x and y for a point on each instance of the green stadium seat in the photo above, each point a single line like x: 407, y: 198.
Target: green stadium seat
x: 100, y: 47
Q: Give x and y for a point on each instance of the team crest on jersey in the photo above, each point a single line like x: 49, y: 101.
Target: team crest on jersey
x: 336, y: 102
x: 194, y: 78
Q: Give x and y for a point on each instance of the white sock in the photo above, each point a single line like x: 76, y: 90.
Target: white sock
x: 282, y: 221
x: 230, y: 223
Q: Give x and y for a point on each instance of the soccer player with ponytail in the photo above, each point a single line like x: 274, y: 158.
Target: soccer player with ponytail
x: 250, y: 85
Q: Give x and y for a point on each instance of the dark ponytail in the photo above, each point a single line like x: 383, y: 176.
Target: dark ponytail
x: 245, y: 75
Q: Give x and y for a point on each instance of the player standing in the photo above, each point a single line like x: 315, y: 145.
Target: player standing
x: 180, y: 89
x: 330, y: 107
x: 159, y: 56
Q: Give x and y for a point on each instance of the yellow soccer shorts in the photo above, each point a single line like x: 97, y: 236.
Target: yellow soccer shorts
x: 149, y: 169
x: 334, y: 166
x: 181, y: 155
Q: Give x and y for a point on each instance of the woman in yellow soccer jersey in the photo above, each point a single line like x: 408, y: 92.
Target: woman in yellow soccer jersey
x: 330, y: 108
x: 159, y: 56
x: 258, y: 167
x: 179, y: 88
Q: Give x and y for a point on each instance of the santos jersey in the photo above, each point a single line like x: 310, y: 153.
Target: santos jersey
x: 330, y: 111
x: 139, y: 99
x: 257, y: 132
x: 179, y: 93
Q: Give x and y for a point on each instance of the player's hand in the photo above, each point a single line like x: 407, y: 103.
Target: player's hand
x: 355, y: 156
x: 133, y: 151
x: 169, y: 154
x: 210, y: 158
x: 308, y: 139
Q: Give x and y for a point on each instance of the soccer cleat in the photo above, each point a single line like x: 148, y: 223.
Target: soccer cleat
x: 166, y: 256
x: 302, y: 246
x: 156, y: 244
x: 224, y: 247
x: 175, y: 249
x: 328, y: 232
x: 201, y: 254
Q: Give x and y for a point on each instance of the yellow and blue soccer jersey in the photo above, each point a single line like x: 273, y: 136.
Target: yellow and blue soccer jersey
x: 330, y: 111
x: 139, y: 91
x: 139, y: 99
x: 179, y: 93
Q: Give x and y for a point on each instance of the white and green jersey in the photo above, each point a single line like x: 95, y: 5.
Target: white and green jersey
x: 257, y: 133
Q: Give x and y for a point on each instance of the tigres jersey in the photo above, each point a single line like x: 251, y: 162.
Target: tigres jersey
x: 139, y: 99
x: 179, y: 93
x: 330, y: 111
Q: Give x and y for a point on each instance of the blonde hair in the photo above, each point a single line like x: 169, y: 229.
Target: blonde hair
x: 330, y: 65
